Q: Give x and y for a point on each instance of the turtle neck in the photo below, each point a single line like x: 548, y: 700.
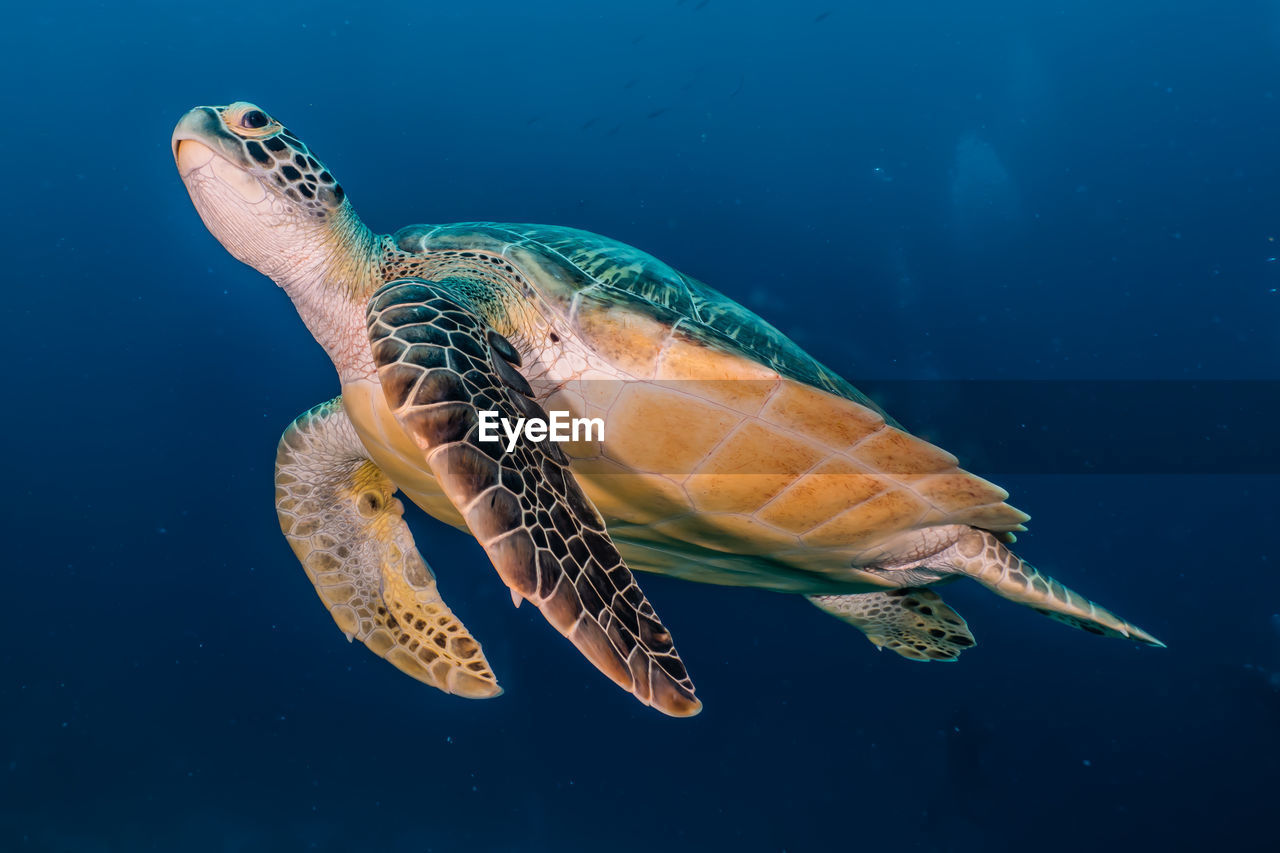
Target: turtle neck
x: 330, y: 283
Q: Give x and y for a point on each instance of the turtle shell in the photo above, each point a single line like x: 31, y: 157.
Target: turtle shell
x: 730, y: 454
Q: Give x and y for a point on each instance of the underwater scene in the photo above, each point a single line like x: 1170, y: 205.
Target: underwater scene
x: 641, y: 426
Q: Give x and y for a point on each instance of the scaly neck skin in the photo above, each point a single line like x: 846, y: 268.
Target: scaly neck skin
x: 330, y: 284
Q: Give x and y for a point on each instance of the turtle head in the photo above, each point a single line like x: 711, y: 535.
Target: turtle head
x: 258, y: 188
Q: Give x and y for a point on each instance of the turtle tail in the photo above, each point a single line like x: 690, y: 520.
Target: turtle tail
x: 983, y: 557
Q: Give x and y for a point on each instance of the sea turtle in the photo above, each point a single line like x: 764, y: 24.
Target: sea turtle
x: 728, y: 455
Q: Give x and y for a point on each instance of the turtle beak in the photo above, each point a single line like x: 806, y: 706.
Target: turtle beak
x: 191, y: 155
x: 195, y: 127
x: 201, y: 143
x: 200, y: 136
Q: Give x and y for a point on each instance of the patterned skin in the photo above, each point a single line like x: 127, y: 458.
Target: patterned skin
x: 338, y: 514
x: 730, y: 455
x: 438, y: 365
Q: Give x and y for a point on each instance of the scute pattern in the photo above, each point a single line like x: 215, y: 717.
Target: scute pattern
x: 337, y: 511
x: 645, y: 282
x: 636, y: 313
x: 439, y: 364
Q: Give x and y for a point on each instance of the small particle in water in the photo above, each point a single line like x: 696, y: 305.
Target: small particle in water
x: 1087, y: 763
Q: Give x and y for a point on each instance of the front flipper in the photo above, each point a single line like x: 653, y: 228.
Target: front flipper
x: 439, y: 364
x: 338, y: 512
x: 915, y: 622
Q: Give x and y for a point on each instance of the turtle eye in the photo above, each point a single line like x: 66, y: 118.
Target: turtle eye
x: 254, y: 119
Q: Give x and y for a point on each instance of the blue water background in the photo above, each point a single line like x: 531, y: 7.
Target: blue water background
x: 924, y: 191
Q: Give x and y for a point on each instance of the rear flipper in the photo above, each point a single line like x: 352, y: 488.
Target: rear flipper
x: 913, y: 621
x: 983, y: 557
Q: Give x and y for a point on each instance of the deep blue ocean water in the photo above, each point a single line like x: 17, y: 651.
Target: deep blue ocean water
x: 1018, y: 193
